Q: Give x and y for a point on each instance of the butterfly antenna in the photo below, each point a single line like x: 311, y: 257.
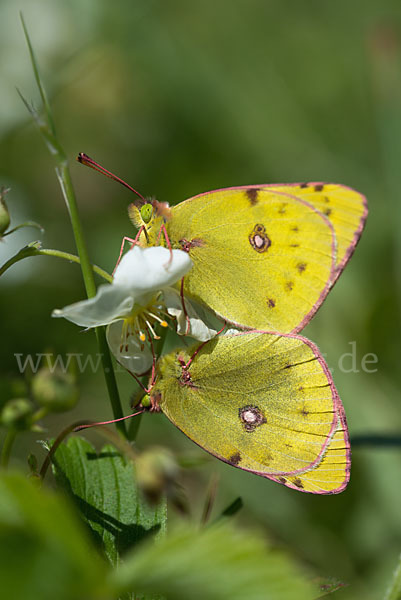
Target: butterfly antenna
x: 86, y: 160
x: 87, y: 425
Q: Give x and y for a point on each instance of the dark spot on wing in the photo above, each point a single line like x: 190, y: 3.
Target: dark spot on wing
x: 235, y: 458
x: 289, y: 285
x: 259, y: 239
x: 252, y: 194
x: 304, y: 185
x: 294, y: 245
x: 319, y: 187
x: 301, y: 267
x: 186, y: 245
x: 271, y: 303
x: 251, y: 417
x: 267, y: 458
x: 282, y: 479
x: 282, y: 209
x: 298, y: 483
x: 295, y: 228
x: 327, y: 212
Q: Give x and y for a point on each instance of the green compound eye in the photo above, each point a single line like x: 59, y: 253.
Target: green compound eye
x: 146, y: 213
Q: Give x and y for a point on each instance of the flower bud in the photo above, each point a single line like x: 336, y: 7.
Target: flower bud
x: 17, y: 413
x: 156, y: 472
x: 4, y: 214
x: 55, y: 390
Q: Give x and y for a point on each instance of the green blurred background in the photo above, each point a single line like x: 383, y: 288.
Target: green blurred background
x: 184, y: 97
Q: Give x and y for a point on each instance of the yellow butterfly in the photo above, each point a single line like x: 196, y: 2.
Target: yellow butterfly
x: 261, y: 402
x: 266, y: 256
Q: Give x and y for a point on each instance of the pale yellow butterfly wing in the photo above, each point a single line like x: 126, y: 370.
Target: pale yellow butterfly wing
x: 345, y: 208
x: 332, y: 473
x: 261, y: 402
x: 262, y: 259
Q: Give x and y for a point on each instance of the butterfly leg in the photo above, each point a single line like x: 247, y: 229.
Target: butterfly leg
x: 184, y: 307
x: 131, y: 241
x: 164, y: 231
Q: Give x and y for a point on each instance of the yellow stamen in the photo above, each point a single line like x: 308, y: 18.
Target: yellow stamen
x: 156, y: 337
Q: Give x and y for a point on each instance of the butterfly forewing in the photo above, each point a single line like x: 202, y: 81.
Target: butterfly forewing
x: 261, y: 402
x: 262, y: 259
x: 344, y: 207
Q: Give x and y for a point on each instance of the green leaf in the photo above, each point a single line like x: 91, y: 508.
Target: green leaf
x: 32, y: 249
x: 217, y: 563
x: 104, y: 488
x: 44, y: 551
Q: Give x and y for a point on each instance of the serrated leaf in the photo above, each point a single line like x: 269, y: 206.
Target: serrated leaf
x: 45, y: 552
x: 216, y: 563
x: 104, y: 488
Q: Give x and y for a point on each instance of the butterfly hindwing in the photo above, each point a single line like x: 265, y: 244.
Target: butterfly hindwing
x: 262, y: 259
x: 261, y: 402
x: 332, y: 473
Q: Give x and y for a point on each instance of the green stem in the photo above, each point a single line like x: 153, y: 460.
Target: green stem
x: 73, y: 258
x: 26, y: 224
x: 64, y: 178
x: 133, y: 427
x: 7, y: 445
x: 394, y: 590
x: 135, y: 422
x: 57, y: 254
x: 47, y: 128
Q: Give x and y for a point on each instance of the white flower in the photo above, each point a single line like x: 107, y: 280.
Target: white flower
x: 140, y: 296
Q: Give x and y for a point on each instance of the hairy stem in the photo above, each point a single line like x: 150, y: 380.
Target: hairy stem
x: 48, y: 130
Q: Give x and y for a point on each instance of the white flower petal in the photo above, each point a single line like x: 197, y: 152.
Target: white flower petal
x: 110, y: 303
x: 128, y: 352
x: 203, y: 324
x: 143, y: 270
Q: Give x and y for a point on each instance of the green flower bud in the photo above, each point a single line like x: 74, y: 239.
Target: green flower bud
x: 156, y: 472
x: 17, y: 413
x: 56, y: 391
x: 4, y: 214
